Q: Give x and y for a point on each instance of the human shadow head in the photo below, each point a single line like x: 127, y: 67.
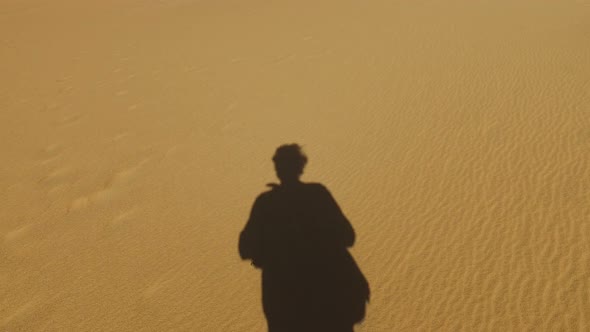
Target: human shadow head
x: 289, y: 161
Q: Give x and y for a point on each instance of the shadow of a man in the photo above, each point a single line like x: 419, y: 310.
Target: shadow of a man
x: 299, y: 237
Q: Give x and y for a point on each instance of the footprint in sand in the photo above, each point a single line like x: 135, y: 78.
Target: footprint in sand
x: 65, y: 89
x: 171, y: 151
x: 120, y: 136
x: 17, y: 233
x: 123, y: 217
x: 57, y: 175
x: 48, y: 107
x: 117, y: 180
x: 79, y: 203
x: 69, y: 120
x: 56, y: 180
x: 21, y: 312
x: 284, y: 58
x: 51, y: 153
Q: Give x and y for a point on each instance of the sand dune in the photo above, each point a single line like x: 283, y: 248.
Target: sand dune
x: 135, y: 136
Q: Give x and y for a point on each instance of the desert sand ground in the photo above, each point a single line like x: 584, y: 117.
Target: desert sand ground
x: 135, y: 135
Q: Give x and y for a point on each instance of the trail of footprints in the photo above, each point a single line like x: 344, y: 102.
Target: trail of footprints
x: 59, y: 178
x: 56, y: 179
x: 108, y: 190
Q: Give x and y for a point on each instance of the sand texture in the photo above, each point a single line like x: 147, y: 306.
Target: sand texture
x: 135, y: 136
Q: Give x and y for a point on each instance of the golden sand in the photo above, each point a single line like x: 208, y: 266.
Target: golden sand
x: 135, y: 135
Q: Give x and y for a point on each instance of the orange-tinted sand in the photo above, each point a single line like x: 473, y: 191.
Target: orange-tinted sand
x: 135, y: 135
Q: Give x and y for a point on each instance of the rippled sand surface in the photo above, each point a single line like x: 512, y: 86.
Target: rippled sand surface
x: 135, y: 135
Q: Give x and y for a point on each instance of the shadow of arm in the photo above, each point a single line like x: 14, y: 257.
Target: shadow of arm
x: 250, y: 242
